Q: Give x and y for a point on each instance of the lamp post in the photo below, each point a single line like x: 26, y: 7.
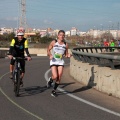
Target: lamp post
x: 94, y: 33
x: 117, y: 30
x: 109, y: 29
x: 101, y: 30
x: 101, y: 27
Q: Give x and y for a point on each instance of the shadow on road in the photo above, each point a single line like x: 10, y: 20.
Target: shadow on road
x: 63, y: 85
x: 81, y: 89
x: 89, y: 85
x: 32, y: 90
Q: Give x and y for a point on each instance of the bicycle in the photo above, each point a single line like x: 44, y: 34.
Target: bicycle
x: 16, y: 74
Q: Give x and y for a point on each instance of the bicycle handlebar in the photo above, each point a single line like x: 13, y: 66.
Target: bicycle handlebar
x: 19, y: 58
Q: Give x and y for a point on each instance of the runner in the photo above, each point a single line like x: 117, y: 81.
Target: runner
x: 60, y: 50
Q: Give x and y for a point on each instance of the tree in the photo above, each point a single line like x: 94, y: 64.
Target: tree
x: 46, y: 39
x: 1, y: 38
x: 7, y: 37
x: 11, y: 36
x: 37, y: 38
x: 107, y: 35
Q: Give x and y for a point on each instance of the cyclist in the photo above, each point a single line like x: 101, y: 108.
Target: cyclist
x: 60, y: 49
x: 18, y: 45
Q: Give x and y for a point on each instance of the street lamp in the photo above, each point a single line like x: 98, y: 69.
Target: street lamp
x: 94, y: 33
x: 101, y: 30
x: 117, y: 30
x: 110, y: 24
x: 101, y: 27
x: 109, y: 29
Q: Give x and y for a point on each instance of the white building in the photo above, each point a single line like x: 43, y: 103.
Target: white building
x: 6, y: 30
x: 67, y: 33
x: 73, y: 31
x: 82, y: 33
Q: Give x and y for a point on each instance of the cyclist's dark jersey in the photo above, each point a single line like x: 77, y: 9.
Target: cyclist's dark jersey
x: 17, y: 48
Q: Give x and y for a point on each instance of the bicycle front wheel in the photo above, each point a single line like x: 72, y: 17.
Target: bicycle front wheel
x: 17, y: 84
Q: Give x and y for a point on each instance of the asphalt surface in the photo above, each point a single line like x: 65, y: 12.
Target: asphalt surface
x: 74, y: 101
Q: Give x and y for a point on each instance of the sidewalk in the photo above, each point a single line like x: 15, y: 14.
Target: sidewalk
x: 69, y: 84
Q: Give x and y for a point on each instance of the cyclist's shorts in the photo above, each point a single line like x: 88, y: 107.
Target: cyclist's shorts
x: 22, y: 63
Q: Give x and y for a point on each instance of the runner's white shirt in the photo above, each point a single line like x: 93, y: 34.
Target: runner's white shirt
x: 58, y: 52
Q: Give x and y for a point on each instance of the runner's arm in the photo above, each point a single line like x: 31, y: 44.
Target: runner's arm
x: 49, y: 48
x: 66, y: 52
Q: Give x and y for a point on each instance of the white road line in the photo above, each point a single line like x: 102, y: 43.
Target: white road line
x: 17, y: 105
x: 82, y: 100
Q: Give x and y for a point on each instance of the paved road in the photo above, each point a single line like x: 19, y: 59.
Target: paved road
x: 35, y: 102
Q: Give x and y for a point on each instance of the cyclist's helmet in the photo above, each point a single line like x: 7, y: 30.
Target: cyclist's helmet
x: 20, y: 31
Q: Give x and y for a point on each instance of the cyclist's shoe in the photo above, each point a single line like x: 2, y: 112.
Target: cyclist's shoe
x: 21, y: 83
x: 53, y: 93
x: 14, y: 81
x: 49, y: 82
x: 11, y: 75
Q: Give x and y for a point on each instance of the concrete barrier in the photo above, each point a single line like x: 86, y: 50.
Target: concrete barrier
x: 103, y: 79
x: 38, y: 51
x: 3, y: 53
x: 33, y: 51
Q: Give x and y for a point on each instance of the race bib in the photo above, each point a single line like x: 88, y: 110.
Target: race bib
x: 58, y: 56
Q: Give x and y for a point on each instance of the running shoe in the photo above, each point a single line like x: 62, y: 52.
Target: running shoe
x: 49, y: 82
x: 53, y: 93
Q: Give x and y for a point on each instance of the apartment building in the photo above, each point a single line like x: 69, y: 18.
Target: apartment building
x: 6, y: 30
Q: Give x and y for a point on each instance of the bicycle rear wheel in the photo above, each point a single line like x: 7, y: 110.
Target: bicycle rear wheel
x: 17, y: 84
x: 14, y: 80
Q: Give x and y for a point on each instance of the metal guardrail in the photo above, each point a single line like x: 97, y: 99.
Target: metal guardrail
x: 97, y: 55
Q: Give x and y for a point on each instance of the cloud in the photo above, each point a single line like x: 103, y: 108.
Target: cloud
x: 9, y: 22
x: 48, y: 22
x: 11, y: 18
x: 116, y: 5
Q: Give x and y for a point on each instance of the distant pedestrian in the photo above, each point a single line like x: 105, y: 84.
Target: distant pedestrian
x: 60, y: 50
x: 106, y: 44
x: 119, y: 43
x: 112, y: 44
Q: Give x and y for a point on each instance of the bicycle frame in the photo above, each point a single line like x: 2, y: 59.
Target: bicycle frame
x: 17, y: 68
x: 17, y: 74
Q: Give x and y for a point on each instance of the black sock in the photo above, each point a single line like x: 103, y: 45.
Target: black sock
x: 55, y: 86
x: 51, y: 80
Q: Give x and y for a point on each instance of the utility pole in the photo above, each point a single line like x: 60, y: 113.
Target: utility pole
x: 22, y: 14
x: 110, y: 29
x: 118, y: 30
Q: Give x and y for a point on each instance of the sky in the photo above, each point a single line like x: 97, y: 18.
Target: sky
x: 62, y: 14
